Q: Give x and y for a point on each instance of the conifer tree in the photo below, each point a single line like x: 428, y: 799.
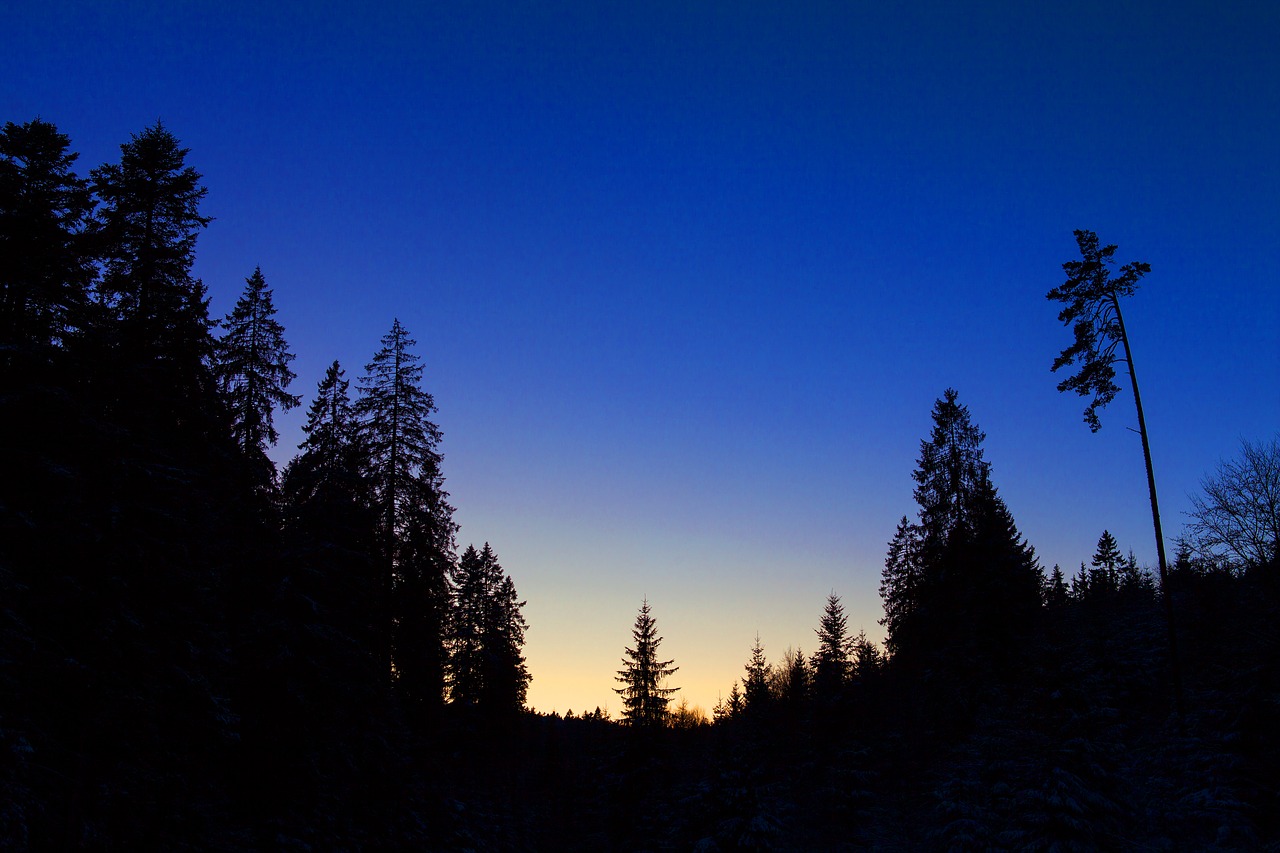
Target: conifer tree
x: 506, y: 683
x: 149, y: 221
x: 951, y: 473
x: 252, y: 366
x: 1056, y: 594
x: 902, y: 583
x: 470, y: 588
x: 831, y: 661
x: 327, y: 508
x: 329, y: 461
x: 794, y: 678
x: 961, y: 580
x: 400, y: 439
x: 735, y: 704
x: 416, y: 527
x: 755, y: 684
x: 45, y: 262
x: 486, y: 636
x: 1106, y: 565
x: 1091, y: 297
x: 644, y: 676
x: 867, y: 659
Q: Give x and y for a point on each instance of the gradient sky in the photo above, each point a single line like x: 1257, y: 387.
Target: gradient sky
x: 688, y: 277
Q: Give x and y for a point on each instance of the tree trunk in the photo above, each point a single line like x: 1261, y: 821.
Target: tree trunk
x: 1175, y: 663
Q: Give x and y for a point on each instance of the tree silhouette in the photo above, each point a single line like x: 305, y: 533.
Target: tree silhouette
x: 252, y: 366
x: 831, y: 664
x: 330, y: 458
x: 643, y: 676
x: 902, y: 583
x: 1092, y: 299
x: 1237, y: 516
x: 961, y: 577
x: 1107, y: 562
x: 45, y: 263
x: 149, y: 222
x: 486, y: 635
x: 402, y: 467
x: 755, y: 684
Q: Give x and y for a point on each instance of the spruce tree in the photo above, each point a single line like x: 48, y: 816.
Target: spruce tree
x: 330, y: 460
x: 465, y: 626
x: 400, y: 438
x: 506, y: 677
x: 416, y: 528
x: 486, y: 636
x: 755, y: 684
x: 962, y: 580
x: 46, y: 264
x: 330, y: 524
x: 831, y: 661
x: 252, y: 366
x: 1056, y: 594
x: 644, y: 676
x: 1106, y: 565
x: 794, y: 678
x: 149, y: 221
x: 867, y: 659
x: 902, y: 584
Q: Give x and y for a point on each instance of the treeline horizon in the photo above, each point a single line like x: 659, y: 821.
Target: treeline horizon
x: 202, y: 651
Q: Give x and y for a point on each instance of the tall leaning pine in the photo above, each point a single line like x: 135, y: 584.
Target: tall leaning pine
x: 1092, y: 299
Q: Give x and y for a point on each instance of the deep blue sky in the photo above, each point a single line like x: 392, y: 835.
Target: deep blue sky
x: 687, y: 278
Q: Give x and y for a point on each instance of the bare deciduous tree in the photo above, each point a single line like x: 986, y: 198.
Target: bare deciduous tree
x: 1238, y: 516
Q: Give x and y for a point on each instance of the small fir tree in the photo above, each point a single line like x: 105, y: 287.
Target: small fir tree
x: 831, y: 661
x: 1104, y: 575
x: 755, y: 685
x: 1056, y: 593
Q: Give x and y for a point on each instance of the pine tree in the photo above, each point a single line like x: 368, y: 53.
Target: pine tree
x: 45, y: 263
x: 831, y: 661
x: 1091, y: 297
x: 252, y: 366
x: 643, y: 676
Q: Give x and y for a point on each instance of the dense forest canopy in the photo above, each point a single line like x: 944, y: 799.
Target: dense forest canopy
x: 202, y: 651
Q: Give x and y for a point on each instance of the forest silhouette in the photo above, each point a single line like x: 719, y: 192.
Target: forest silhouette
x: 202, y: 652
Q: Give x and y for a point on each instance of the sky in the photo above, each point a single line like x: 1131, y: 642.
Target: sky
x: 687, y: 278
